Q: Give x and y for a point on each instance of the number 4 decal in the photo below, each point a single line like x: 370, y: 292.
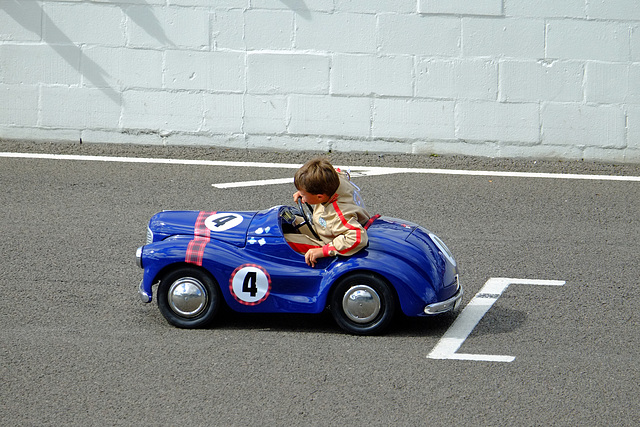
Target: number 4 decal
x: 451, y: 341
x: 250, y: 284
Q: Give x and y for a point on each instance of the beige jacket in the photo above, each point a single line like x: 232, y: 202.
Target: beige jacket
x: 339, y: 222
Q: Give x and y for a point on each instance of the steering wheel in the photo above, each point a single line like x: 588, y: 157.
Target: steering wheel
x: 307, y: 216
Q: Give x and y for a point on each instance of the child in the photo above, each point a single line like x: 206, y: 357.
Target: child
x: 338, y: 218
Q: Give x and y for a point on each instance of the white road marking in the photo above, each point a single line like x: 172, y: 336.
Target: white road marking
x: 149, y: 160
x: 466, y: 321
x: 360, y: 170
x: 254, y: 183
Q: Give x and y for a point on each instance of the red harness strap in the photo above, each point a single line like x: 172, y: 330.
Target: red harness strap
x: 373, y: 218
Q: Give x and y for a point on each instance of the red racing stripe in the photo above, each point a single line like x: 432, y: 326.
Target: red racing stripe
x: 349, y: 226
x: 202, y: 236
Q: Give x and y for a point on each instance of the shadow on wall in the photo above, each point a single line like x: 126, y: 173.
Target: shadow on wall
x: 146, y: 20
x: 22, y: 11
x: 299, y: 7
x: 59, y: 42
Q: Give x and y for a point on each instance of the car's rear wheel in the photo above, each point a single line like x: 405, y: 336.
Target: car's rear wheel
x: 363, y: 304
x: 189, y: 298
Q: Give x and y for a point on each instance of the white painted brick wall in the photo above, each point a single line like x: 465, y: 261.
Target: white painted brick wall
x: 515, y: 78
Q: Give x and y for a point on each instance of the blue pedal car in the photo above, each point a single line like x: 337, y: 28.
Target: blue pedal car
x: 202, y: 260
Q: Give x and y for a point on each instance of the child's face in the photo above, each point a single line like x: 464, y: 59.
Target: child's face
x: 313, y: 199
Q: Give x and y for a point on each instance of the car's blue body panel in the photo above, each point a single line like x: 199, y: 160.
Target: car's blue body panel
x: 401, y: 252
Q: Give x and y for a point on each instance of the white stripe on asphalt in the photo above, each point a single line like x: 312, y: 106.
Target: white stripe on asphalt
x: 363, y: 170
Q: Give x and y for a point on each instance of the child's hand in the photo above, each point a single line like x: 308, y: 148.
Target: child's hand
x: 312, y: 256
x: 296, y: 196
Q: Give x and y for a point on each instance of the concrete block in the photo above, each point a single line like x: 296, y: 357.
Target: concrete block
x: 583, y: 125
x: 419, y: 35
x: 214, y: 71
x: 545, y: 8
x: 162, y: 111
x: 39, y: 134
x: 499, y: 38
x: 288, y: 143
x: 220, y: 4
x: 614, y: 9
x: 319, y: 115
x: 304, y: 9
x: 369, y: 146
x: 206, y: 140
x: 461, y: 7
x: 588, y: 40
x: 453, y: 147
x: 167, y: 27
x: 372, y: 75
x: 275, y: 73
x: 542, y: 152
x: 228, y: 29
x: 122, y: 68
x: 78, y: 108
x: 494, y: 121
x: 412, y: 119
x: 376, y: 6
x: 21, y: 21
x: 19, y: 105
x: 633, y: 96
x: 268, y: 29
x: 457, y: 78
x: 607, y: 83
x: 114, y: 136
x: 611, y: 155
x: 84, y: 23
x: 633, y: 131
x: 631, y: 156
x: 223, y: 113
x: 635, y: 43
x: 265, y: 114
x: 42, y: 63
x: 532, y: 81
x: 129, y: 2
x: 340, y: 32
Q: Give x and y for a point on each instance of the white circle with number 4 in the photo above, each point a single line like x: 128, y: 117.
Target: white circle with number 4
x: 222, y: 221
x: 250, y: 284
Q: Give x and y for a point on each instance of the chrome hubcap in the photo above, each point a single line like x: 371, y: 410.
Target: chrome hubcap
x: 361, y: 303
x: 188, y: 297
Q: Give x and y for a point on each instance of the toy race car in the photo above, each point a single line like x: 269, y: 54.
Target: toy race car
x: 202, y: 260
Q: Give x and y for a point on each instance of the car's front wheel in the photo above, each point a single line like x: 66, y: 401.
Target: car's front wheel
x: 189, y: 298
x: 363, y: 304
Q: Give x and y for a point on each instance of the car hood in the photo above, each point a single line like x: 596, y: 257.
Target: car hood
x: 230, y: 227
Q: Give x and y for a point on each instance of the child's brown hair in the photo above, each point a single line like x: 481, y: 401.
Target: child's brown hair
x: 317, y: 176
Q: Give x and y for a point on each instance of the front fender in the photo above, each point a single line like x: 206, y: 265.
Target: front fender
x: 414, y: 290
x: 156, y: 257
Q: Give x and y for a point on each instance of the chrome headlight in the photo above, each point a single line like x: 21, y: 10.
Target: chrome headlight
x: 443, y: 248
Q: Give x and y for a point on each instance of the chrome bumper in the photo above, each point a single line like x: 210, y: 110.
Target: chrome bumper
x: 144, y: 296
x: 452, y: 304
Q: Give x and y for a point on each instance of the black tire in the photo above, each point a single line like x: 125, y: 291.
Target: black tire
x: 363, y: 304
x: 189, y: 298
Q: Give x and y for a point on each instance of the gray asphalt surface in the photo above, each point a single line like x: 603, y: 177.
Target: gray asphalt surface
x: 77, y: 347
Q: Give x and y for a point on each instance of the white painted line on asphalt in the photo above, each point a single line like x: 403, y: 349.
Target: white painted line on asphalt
x: 254, y: 183
x: 149, y: 160
x: 466, y: 321
x: 363, y: 170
